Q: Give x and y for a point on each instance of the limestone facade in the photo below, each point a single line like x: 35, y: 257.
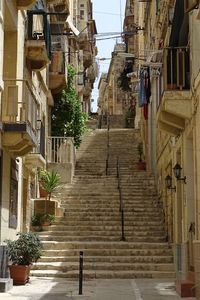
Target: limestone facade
x: 37, y: 42
x: 168, y: 46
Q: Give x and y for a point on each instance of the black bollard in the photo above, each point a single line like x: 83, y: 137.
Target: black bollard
x: 81, y: 273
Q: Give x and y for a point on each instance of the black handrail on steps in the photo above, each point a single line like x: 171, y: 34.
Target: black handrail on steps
x: 121, y: 205
x: 107, y: 159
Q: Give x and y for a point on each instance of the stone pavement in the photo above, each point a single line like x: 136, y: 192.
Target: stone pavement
x: 105, y: 289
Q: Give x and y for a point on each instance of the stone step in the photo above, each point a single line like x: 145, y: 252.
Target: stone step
x: 93, y: 222
x: 111, y: 238
x: 60, y: 228
x: 110, y: 259
x: 104, y: 274
x: 103, y: 245
x: 110, y: 253
x: 128, y: 207
x: 113, y: 266
x: 108, y: 220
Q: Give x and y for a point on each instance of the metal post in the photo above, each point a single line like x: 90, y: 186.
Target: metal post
x: 81, y: 273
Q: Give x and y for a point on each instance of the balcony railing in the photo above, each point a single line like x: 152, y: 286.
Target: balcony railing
x: 40, y: 148
x: 18, y: 104
x: 38, y: 36
x: 59, y: 149
x: 176, y: 69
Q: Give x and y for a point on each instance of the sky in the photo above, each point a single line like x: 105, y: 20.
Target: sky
x: 106, y: 13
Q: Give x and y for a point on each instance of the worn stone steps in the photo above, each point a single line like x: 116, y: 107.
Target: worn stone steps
x: 104, y: 245
x: 92, y: 274
x: 60, y: 228
x: 108, y: 266
x: 92, y: 220
x: 107, y: 220
x: 110, y: 253
x: 109, y: 259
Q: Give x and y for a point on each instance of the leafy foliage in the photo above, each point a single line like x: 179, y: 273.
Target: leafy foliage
x: 38, y: 219
x: 67, y: 117
x: 25, y: 250
x: 49, y: 181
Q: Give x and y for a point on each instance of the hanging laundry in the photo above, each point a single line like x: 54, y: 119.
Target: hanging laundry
x: 142, y: 93
x: 145, y: 87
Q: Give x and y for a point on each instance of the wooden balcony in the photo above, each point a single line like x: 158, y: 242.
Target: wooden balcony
x: 175, y: 107
x: 57, y: 74
x: 19, y: 117
x: 25, y: 4
x: 38, y: 41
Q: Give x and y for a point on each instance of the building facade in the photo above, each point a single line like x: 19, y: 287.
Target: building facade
x: 168, y: 72
x: 38, y: 39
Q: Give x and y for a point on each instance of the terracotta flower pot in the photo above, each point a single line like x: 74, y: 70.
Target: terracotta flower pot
x: 19, y: 273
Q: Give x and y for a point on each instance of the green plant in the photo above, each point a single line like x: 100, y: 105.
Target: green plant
x: 67, y: 117
x: 39, y: 218
x: 49, y: 181
x: 25, y: 250
x: 36, y: 219
x: 47, y: 217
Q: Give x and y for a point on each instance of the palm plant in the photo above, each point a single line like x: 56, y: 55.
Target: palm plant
x: 49, y: 181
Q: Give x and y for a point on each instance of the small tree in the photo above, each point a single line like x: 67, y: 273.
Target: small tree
x: 49, y: 181
x: 67, y: 117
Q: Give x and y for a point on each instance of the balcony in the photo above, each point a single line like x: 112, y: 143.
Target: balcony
x: 87, y: 89
x: 91, y: 72
x: 62, y: 8
x: 38, y: 46
x: 57, y: 75
x: 175, y: 107
x: 87, y: 56
x: 25, y: 4
x: 36, y: 158
x: 18, y: 118
x: 83, y: 41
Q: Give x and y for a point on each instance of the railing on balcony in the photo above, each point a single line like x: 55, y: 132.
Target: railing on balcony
x: 39, y: 28
x: 60, y: 149
x: 176, y: 68
x: 40, y: 148
x: 18, y: 104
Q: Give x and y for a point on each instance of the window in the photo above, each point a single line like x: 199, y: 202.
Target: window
x: 82, y: 12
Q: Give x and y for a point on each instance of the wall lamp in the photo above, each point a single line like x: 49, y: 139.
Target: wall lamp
x: 168, y: 183
x: 177, y: 173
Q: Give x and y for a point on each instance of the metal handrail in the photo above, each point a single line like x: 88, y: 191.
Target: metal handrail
x: 108, y: 147
x: 121, y: 204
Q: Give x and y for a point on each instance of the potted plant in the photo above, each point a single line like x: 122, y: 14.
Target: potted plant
x: 141, y: 164
x: 36, y: 222
x: 22, y: 253
x: 49, y: 181
x: 41, y: 219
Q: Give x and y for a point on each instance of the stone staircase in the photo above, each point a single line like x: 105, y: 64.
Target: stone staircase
x: 92, y: 222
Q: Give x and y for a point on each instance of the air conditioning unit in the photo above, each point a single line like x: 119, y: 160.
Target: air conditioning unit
x: 190, y: 4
